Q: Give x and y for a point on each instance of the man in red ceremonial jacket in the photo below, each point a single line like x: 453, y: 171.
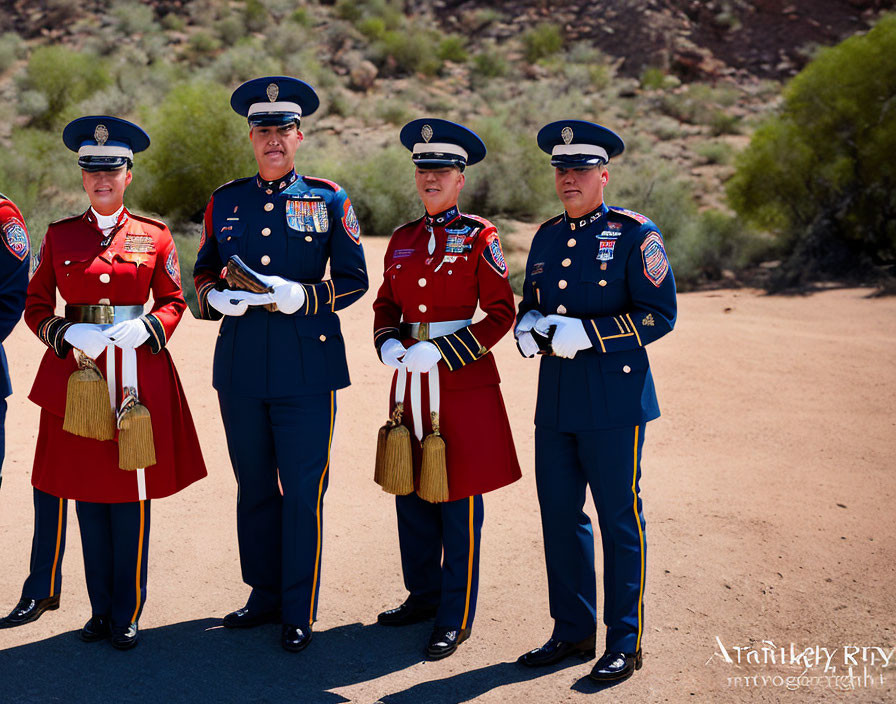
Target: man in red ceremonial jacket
x: 105, y: 264
x: 437, y: 269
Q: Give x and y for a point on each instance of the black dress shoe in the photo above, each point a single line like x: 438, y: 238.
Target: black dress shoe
x: 409, y: 612
x: 295, y: 638
x: 249, y: 618
x: 124, y: 638
x: 444, y: 641
x: 555, y: 650
x: 614, y: 667
x: 97, y: 628
x: 28, y: 610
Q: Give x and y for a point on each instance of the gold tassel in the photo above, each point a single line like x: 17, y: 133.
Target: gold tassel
x: 87, y: 409
x: 398, y: 462
x: 381, y: 437
x: 136, y: 449
x: 434, y: 468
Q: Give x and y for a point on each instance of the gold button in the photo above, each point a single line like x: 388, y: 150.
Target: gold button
x: 269, y: 191
x: 561, y: 283
x: 266, y: 231
x: 561, y: 309
x: 105, y: 302
x: 309, y: 238
x: 422, y: 282
x: 602, y: 282
x: 422, y: 308
x: 282, y: 184
x: 566, y: 262
x: 626, y: 369
x: 105, y: 278
x: 323, y: 338
x: 571, y: 242
x: 572, y: 226
x: 269, y: 206
x: 265, y: 260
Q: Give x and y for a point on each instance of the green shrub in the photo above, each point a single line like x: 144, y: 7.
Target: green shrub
x: 64, y: 77
x: 542, y: 41
x: 244, y: 61
x: 133, y: 18
x: 453, y: 48
x: 723, y: 123
x: 174, y: 22
x: 11, y: 48
x: 409, y: 50
x: 301, y: 17
x: 197, y: 144
x: 372, y: 27
x: 201, y: 44
x: 255, y: 15
x: 652, y: 78
x: 819, y: 173
x: 348, y: 10
x: 394, y: 112
x: 490, y: 64
x: 715, y: 152
x: 231, y: 29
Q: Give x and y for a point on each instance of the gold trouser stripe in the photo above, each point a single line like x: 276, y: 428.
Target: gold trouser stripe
x: 640, y: 538
x: 463, y: 624
x: 599, y: 338
x: 634, y: 329
x: 139, y: 560
x: 58, y: 545
x: 320, y: 491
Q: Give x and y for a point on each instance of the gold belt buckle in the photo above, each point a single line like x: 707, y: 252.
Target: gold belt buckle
x: 423, y: 331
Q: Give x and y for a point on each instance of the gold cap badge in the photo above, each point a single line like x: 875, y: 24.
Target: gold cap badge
x: 273, y: 91
x: 566, y: 134
x: 426, y: 133
x: 101, y: 134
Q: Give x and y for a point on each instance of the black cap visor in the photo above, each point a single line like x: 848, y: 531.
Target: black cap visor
x: 576, y: 161
x: 274, y: 119
x: 438, y: 160
x: 103, y: 163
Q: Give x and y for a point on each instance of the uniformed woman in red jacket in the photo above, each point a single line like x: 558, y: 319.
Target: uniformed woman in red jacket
x: 105, y: 264
x: 437, y: 269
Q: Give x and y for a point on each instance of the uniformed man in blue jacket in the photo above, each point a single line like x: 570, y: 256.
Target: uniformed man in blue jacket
x: 280, y: 356
x: 598, y: 289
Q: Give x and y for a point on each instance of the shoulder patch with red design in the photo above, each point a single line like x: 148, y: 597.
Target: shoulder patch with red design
x: 494, y: 255
x: 172, y: 267
x: 350, y: 221
x: 15, y: 237
x: 631, y: 213
x: 653, y: 254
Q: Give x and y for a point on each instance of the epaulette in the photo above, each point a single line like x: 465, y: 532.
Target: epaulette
x: 66, y: 219
x: 332, y: 185
x: 637, y: 217
x: 151, y: 221
x: 550, y: 221
x: 232, y: 183
x: 407, y: 224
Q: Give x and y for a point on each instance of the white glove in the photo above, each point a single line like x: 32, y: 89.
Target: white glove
x: 128, y: 335
x: 231, y: 302
x: 422, y: 357
x: 527, y: 322
x: 288, y: 295
x: 87, y: 338
x: 569, y: 337
x: 392, y: 352
x: 528, y: 345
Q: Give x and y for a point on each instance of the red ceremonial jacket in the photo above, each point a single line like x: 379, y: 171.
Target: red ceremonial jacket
x: 137, y: 259
x: 466, y: 268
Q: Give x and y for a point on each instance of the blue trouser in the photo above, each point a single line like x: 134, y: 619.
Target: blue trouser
x: 280, y: 451
x: 2, y: 436
x: 609, y: 461
x: 47, y: 547
x: 426, y: 533
x: 115, y: 540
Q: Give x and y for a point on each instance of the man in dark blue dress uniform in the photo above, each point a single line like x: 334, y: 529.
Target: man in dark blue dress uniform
x: 598, y: 289
x: 280, y: 356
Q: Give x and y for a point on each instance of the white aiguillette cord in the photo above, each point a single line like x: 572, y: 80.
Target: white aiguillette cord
x: 416, y: 410
x: 128, y: 378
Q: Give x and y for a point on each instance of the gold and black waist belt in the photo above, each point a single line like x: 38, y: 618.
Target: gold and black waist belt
x: 101, y: 314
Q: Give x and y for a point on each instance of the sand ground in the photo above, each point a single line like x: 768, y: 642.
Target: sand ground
x: 768, y: 488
